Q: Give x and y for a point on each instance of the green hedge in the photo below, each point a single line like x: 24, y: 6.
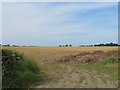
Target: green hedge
x: 18, y: 72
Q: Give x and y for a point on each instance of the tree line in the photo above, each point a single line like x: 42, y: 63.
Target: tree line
x: 65, y: 45
x: 7, y: 45
x: 69, y: 45
x: 107, y: 44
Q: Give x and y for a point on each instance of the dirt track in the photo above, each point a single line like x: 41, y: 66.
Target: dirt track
x: 80, y: 77
x: 72, y: 77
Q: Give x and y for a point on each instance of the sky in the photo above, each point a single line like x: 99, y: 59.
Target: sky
x: 55, y: 23
x: 59, y: 0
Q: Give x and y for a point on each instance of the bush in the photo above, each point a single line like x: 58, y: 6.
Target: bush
x: 18, y: 72
x: 109, y: 61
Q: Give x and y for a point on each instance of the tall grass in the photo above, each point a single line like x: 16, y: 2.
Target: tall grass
x: 109, y: 61
x: 18, y: 71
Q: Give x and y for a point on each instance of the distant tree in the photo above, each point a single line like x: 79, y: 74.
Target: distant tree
x: 60, y: 45
x: 66, y: 45
x: 8, y: 44
x: 95, y: 45
x: 70, y: 45
x: 15, y: 45
x: 82, y: 45
x: 90, y: 45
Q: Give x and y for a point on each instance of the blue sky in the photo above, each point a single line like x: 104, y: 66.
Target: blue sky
x: 51, y: 24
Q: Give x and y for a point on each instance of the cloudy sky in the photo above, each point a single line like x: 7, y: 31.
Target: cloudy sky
x: 51, y: 24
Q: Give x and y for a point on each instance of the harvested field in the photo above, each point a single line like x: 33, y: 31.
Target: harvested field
x: 51, y: 54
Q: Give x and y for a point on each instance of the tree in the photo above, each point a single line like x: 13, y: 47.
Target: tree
x: 8, y: 45
x: 60, y: 45
x: 66, y: 45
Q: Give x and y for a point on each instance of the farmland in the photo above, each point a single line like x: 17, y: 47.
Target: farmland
x: 48, y: 54
x: 71, y: 74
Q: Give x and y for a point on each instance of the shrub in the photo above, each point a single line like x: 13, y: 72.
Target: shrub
x: 108, y: 61
x: 18, y: 71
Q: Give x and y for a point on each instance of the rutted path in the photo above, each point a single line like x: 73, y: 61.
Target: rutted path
x: 73, y: 77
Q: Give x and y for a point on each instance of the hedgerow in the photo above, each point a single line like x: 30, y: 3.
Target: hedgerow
x: 18, y: 71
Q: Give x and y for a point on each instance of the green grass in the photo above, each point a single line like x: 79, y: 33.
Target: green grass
x: 109, y: 61
x: 81, y: 79
x: 18, y: 71
x: 107, y: 66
